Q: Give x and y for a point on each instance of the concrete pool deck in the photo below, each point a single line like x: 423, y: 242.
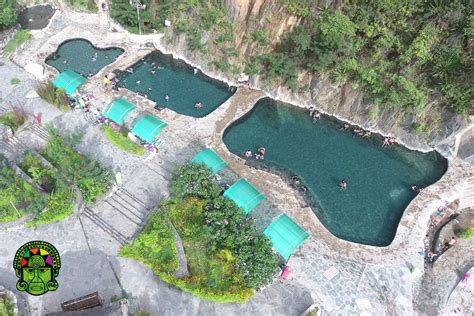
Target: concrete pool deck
x: 379, y: 274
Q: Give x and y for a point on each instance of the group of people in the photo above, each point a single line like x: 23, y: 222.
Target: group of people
x: 110, y: 82
x: 259, y: 154
x: 81, y: 102
x: 314, y: 114
x: 295, y: 181
x: 388, y: 141
x: 416, y: 188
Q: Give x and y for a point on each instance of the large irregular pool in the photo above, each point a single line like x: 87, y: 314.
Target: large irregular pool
x: 82, y: 57
x: 173, y: 84
x: 321, y: 154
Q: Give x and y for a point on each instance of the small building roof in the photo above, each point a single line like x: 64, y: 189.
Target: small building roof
x: 148, y: 127
x: 69, y: 80
x: 285, y: 235
x: 118, y: 110
x: 210, y: 159
x: 244, y: 195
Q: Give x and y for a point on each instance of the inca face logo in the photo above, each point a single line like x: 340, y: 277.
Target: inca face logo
x: 37, y: 265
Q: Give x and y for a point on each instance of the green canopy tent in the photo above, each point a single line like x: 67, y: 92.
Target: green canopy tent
x: 210, y: 159
x: 244, y: 195
x: 69, y: 81
x: 148, y: 127
x: 118, y: 110
x: 285, y: 235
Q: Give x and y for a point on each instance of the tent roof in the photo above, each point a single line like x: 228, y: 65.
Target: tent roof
x: 69, y: 81
x: 285, y: 235
x: 148, y: 127
x: 244, y: 195
x: 118, y: 110
x: 210, y: 159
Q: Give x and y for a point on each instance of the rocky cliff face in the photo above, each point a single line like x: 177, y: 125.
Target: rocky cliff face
x: 341, y: 101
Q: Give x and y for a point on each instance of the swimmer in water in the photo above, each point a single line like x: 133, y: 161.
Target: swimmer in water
x: 195, y: 71
x: 248, y: 154
x: 167, y: 97
x: 65, y: 61
x: 343, y: 184
x: 138, y: 82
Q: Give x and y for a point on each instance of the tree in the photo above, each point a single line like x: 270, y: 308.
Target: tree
x: 8, y: 14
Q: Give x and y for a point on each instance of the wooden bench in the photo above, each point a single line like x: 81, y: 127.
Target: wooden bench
x: 83, y: 302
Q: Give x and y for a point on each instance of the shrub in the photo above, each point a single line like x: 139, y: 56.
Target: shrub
x: 466, y: 233
x: 15, y: 118
x: 418, y: 128
x: 57, y: 97
x: 193, y: 180
x: 20, y: 37
x: 121, y: 141
x: 15, y: 81
x: 8, y: 14
x: 88, y: 175
x: 83, y: 5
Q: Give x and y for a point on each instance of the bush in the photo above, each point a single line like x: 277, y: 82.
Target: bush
x: 15, y: 81
x: 8, y: 14
x: 86, y: 173
x: 418, y: 128
x: 83, y: 5
x: 193, y: 180
x: 57, y: 97
x: 155, y: 246
x: 121, y: 141
x: 466, y: 233
x: 20, y: 37
x: 14, y: 190
x: 60, y: 200
x: 14, y: 119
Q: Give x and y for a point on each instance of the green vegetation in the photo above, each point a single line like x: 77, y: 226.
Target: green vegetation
x: 194, y: 18
x: 17, y: 197
x: 155, y: 246
x: 17, y: 40
x: 15, y: 81
x: 15, y: 118
x: 88, y: 6
x: 57, y: 97
x: 6, y: 306
x: 86, y: 173
x: 8, y: 14
x: 122, y: 141
x: 227, y: 258
x: 398, y: 53
x: 60, y: 196
x: 466, y: 233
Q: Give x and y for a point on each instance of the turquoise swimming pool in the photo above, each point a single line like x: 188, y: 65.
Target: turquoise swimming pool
x: 173, y: 84
x: 321, y: 154
x: 82, y: 57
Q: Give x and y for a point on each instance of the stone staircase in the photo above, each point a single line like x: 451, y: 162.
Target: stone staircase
x: 12, y: 147
x: 121, y: 216
x: 467, y: 198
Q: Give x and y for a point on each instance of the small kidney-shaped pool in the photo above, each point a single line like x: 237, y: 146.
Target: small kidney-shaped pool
x: 321, y: 154
x: 82, y: 57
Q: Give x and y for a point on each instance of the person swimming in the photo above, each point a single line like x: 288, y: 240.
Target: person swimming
x: 198, y: 105
x: 343, y: 184
x: 65, y: 61
x: 167, y: 97
x: 248, y: 154
x: 195, y: 71
x: 138, y: 82
x: 153, y: 71
x: 295, y: 179
x: 149, y: 88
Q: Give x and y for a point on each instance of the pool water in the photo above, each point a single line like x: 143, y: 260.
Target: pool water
x: 176, y: 79
x: 82, y: 57
x: 379, y: 179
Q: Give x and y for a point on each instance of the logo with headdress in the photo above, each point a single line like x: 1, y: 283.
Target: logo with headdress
x: 37, y: 265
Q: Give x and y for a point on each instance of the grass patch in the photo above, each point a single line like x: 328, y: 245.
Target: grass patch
x: 16, y: 41
x: 121, y: 141
x: 6, y: 306
x: 87, y: 6
x: 91, y: 179
x: 60, y: 197
x: 15, y: 118
x: 17, y: 195
x: 15, y: 81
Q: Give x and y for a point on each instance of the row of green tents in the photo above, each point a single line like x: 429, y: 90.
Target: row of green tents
x: 145, y: 128
x: 283, y: 232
